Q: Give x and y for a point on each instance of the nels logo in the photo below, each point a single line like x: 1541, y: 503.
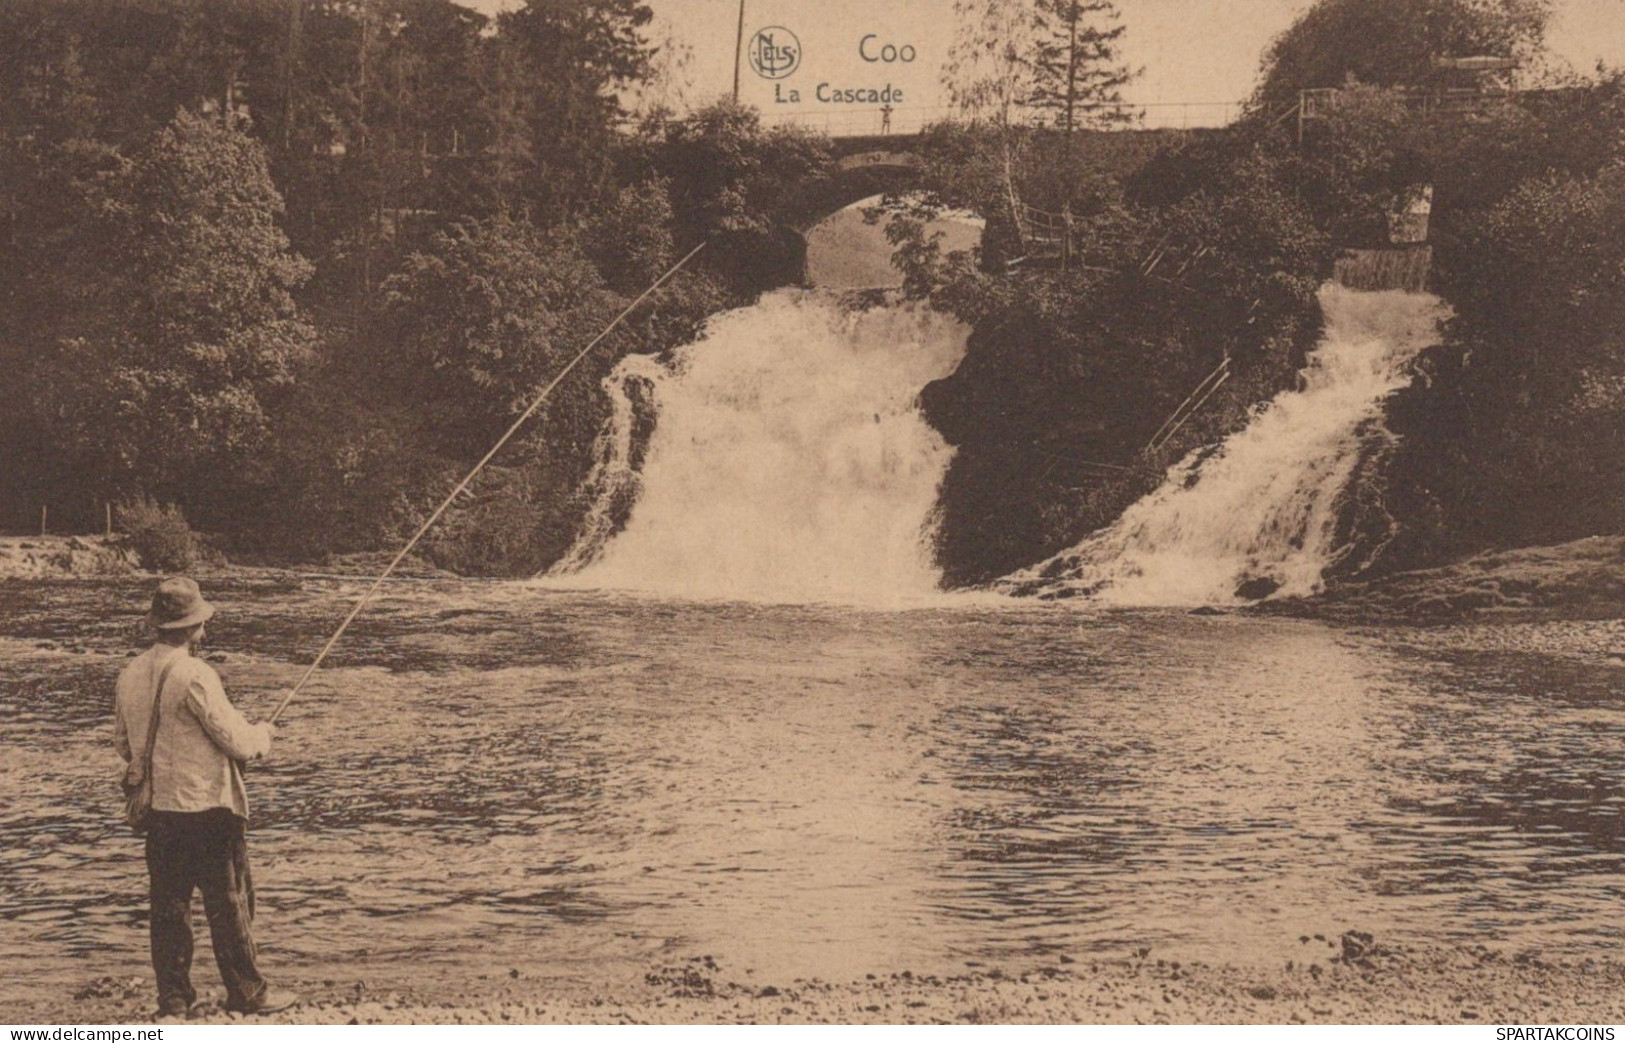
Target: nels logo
x: 775, y: 52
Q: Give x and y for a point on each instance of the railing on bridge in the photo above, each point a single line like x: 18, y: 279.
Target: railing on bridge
x: 1051, y: 239
x: 907, y: 119
x: 1321, y: 102
x: 911, y: 119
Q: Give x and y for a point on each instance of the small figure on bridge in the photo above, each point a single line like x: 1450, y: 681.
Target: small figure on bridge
x: 885, y: 118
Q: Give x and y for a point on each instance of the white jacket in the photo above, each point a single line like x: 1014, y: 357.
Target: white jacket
x: 201, y: 735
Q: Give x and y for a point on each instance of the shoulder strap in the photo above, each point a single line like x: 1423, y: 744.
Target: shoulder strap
x: 152, y: 722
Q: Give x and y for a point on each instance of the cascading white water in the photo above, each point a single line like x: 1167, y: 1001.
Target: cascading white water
x: 789, y: 460
x: 1264, y: 507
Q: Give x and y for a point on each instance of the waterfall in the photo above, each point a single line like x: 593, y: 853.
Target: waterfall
x: 1260, y: 515
x: 788, y: 459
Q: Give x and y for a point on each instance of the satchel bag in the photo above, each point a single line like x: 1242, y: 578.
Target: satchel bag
x: 137, y: 781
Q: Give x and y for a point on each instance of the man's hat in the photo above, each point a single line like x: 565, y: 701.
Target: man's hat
x: 178, y: 603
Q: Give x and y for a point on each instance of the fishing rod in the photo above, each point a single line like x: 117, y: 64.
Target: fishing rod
x: 463, y: 485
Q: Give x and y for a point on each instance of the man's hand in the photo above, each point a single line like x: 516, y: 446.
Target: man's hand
x: 269, y: 728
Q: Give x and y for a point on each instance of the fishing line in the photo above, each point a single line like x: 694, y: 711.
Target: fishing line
x: 462, y: 485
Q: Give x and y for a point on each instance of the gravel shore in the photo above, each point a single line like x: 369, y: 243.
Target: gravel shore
x: 1582, y: 580
x: 61, y: 557
x: 1362, y: 984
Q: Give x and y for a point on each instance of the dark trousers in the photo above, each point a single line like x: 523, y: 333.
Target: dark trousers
x: 208, y: 851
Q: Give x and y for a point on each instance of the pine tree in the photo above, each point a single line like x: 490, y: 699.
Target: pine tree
x: 1077, y: 73
x: 1023, y: 57
x: 575, y: 57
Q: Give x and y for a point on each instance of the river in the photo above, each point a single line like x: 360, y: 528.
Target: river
x: 499, y: 779
x: 741, y: 722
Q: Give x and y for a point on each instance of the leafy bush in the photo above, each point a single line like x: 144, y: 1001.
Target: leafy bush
x: 1391, y: 42
x: 488, y: 315
x: 1515, y: 438
x: 160, y: 535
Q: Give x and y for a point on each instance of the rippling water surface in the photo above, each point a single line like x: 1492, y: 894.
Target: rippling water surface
x: 497, y: 778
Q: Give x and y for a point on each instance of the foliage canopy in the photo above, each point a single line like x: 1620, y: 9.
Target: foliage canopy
x: 1393, y: 43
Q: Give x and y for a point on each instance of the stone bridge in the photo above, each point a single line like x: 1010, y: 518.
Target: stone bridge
x: 843, y: 251
x: 863, y: 167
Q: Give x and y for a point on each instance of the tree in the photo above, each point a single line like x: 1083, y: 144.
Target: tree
x: 1076, y: 70
x: 1014, y: 58
x: 488, y: 314
x: 1394, y: 42
x: 53, y: 206
x: 576, y: 56
x: 177, y: 356
x: 1516, y: 436
x: 989, y: 68
x: 51, y: 171
x: 728, y: 178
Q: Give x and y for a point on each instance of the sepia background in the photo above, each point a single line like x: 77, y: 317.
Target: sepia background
x: 1130, y: 531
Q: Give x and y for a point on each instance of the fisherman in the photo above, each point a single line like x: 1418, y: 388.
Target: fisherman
x: 198, y: 834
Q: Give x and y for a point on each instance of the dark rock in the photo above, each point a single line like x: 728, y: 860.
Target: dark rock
x: 1208, y: 610
x: 1261, y: 992
x: 767, y: 991
x: 1257, y: 589
x: 1357, y: 945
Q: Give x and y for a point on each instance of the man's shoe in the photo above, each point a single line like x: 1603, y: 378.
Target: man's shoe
x: 173, y: 1007
x: 270, y: 1001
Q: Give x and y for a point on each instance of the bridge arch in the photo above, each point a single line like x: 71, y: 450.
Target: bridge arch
x: 851, y: 177
x: 843, y: 251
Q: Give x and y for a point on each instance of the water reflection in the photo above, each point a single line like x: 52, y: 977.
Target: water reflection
x: 494, y: 777
x: 1507, y: 796
x: 1179, y: 783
